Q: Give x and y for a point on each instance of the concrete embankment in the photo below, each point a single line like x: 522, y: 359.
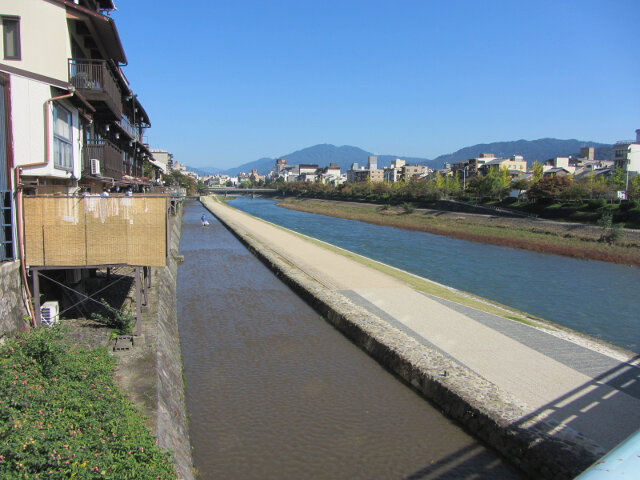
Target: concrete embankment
x: 524, y: 431
x: 151, y: 372
x: 172, y: 422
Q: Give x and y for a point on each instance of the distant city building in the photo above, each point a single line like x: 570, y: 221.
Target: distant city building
x: 163, y: 159
x: 280, y: 167
x: 331, y: 175
x: 413, y: 172
x: 558, y: 163
x: 393, y: 173
x: 516, y: 164
x: 627, y: 154
x: 588, y: 153
x: 255, y: 176
x: 471, y: 167
x: 361, y: 174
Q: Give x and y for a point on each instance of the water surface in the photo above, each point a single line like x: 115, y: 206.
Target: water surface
x: 274, y: 392
x: 597, y: 298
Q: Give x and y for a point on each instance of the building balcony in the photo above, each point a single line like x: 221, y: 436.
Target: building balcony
x: 109, y: 159
x: 131, y: 130
x: 94, y: 81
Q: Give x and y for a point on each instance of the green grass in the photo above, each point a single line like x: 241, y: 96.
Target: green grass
x: 432, y: 288
x: 536, y: 237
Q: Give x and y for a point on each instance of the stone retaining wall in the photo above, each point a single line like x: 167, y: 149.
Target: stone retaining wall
x: 485, y: 411
x: 12, y: 309
x: 171, y: 416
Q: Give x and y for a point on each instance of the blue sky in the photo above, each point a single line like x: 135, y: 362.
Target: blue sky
x: 228, y: 82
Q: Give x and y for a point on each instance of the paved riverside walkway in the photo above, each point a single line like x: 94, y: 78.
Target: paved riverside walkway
x: 578, y: 384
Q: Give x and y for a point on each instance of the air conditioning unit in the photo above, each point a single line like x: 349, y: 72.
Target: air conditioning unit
x: 50, y: 311
x: 95, y: 166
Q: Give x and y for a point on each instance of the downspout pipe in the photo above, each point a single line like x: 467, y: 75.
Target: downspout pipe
x: 19, y: 200
x: 23, y: 267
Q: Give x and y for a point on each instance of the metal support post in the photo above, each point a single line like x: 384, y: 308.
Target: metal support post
x: 145, y: 289
x: 138, y: 304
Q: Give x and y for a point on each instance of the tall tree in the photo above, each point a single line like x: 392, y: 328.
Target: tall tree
x: 537, y: 171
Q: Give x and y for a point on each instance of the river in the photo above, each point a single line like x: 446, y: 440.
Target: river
x: 597, y: 298
x: 274, y: 392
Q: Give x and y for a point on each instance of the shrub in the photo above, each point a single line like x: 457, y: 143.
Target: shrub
x: 121, y: 321
x: 69, y: 419
x: 596, y: 203
x: 408, y: 207
x: 627, y: 205
x: 610, y: 233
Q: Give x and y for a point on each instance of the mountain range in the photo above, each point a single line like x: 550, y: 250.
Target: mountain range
x: 323, y: 154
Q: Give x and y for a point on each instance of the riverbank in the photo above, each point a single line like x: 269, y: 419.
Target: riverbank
x: 572, y: 240
x: 475, y: 366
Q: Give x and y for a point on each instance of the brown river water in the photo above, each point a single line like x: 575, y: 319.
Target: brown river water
x: 274, y: 392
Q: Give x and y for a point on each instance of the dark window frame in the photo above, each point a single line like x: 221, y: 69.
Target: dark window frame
x: 17, y: 53
x: 63, y: 154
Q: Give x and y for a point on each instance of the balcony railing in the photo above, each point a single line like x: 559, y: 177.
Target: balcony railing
x: 133, y: 131
x: 94, y: 80
x: 109, y: 156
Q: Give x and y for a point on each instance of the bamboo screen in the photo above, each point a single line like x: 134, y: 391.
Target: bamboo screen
x: 79, y: 231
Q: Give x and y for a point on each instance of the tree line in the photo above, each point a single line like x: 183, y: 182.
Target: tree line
x: 495, y: 186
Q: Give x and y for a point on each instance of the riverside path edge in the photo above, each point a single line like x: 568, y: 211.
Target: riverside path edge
x: 533, y: 444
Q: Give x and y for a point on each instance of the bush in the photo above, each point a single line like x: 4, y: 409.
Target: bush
x: 408, y: 207
x: 610, y: 233
x: 121, y: 321
x: 66, y: 418
x: 627, y: 205
x: 596, y: 203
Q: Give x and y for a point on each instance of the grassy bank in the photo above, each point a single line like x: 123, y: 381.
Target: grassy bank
x: 543, y: 237
x: 62, y: 416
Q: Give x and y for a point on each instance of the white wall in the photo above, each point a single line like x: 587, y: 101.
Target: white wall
x: 634, y: 157
x: 28, y: 98
x: 44, y: 37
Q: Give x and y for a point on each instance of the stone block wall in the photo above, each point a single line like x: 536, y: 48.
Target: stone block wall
x: 12, y: 309
x: 171, y: 417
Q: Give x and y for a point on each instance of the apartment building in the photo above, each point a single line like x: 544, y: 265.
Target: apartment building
x: 70, y: 123
x: 74, y: 120
x: 627, y: 154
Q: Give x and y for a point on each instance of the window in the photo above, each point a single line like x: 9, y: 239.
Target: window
x: 62, y: 140
x: 11, y: 37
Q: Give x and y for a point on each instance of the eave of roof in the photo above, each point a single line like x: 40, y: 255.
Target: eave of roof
x: 142, y: 112
x: 104, y: 26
